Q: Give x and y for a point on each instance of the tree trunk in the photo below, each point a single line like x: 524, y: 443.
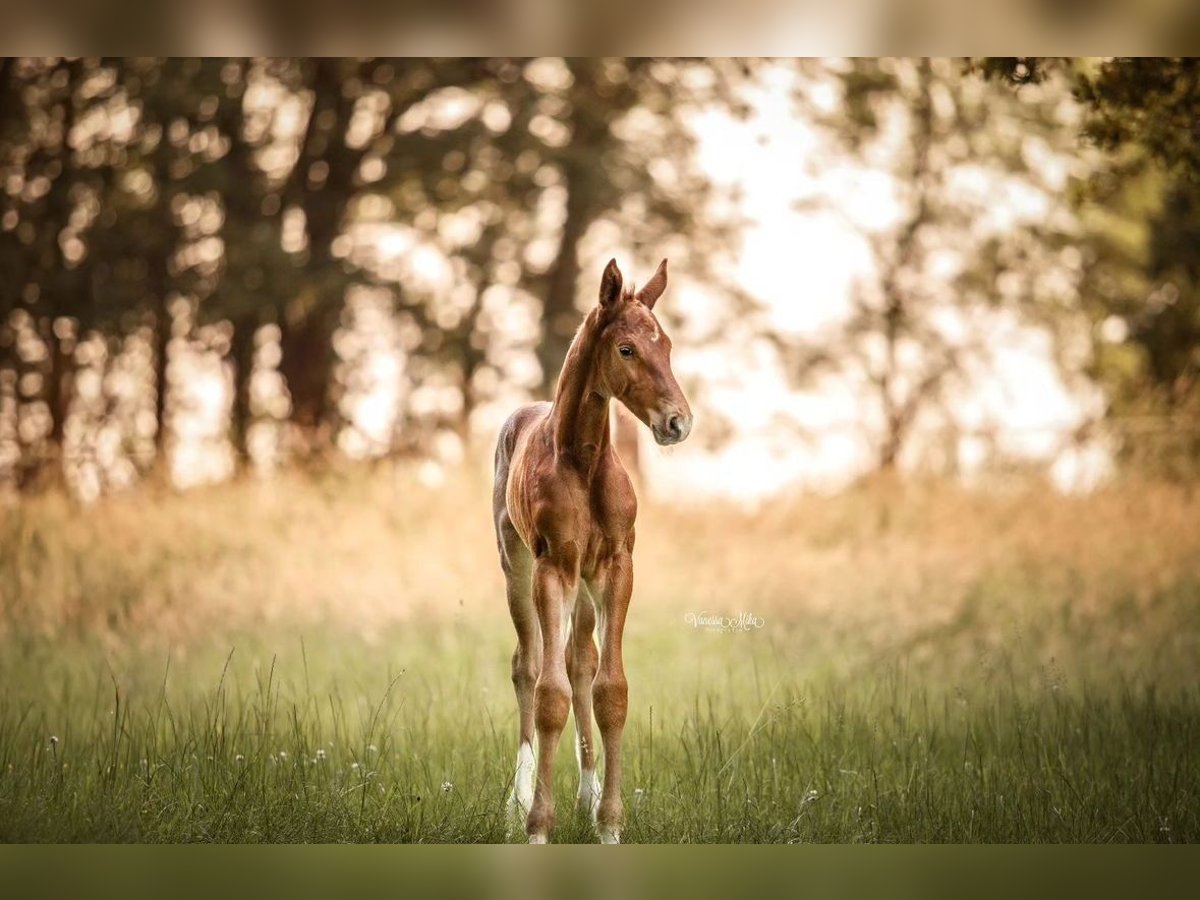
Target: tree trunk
x: 899, y: 410
x: 28, y: 451
x: 889, y: 452
x: 307, y: 366
x: 42, y: 462
x: 241, y: 412
x: 59, y: 387
x: 57, y: 391
x: 308, y: 327
x: 162, y: 342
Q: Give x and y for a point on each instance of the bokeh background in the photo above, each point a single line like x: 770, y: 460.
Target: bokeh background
x: 949, y: 266
x: 938, y: 319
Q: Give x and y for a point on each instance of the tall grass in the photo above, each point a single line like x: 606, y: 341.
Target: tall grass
x: 327, y: 660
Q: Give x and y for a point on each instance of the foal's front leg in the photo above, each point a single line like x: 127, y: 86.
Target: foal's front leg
x: 610, y: 691
x: 555, y: 585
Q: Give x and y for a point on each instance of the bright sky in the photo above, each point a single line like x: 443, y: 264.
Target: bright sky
x: 803, y: 264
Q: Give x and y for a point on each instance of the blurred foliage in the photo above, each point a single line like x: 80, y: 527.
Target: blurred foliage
x: 1141, y: 211
x: 240, y: 204
x: 235, y: 187
x: 957, y: 150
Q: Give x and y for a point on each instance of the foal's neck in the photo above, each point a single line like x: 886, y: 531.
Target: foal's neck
x: 580, y: 412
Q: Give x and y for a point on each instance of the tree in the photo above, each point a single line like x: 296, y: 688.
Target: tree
x: 246, y: 188
x: 915, y: 332
x: 58, y: 175
x: 1145, y: 111
x: 349, y: 147
x: 1141, y: 209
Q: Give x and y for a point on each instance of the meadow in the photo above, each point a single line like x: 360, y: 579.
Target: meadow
x: 326, y: 658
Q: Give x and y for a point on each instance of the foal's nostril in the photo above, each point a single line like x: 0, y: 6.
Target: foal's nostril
x: 675, y: 426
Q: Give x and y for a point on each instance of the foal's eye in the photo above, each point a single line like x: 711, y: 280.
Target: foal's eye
x: 626, y: 351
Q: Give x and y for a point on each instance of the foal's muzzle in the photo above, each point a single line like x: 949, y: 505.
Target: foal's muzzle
x: 671, y: 428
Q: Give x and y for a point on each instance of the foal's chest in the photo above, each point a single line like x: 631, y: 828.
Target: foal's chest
x: 565, y: 512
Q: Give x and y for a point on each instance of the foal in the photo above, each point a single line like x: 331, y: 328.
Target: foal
x: 564, y: 509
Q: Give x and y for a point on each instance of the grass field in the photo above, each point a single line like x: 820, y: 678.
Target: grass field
x: 327, y: 660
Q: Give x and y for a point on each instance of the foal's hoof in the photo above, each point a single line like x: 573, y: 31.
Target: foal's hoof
x: 588, y: 808
x: 538, y: 839
x: 515, y: 815
x: 609, y: 834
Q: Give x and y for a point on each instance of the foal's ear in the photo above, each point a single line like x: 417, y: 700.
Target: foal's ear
x: 653, y: 288
x: 610, y: 285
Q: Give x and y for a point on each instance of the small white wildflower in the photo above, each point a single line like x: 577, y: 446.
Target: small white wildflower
x: 811, y: 796
x: 283, y: 755
x: 354, y: 765
x: 239, y: 758
x: 447, y: 787
x: 320, y: 754
x: 372, y: 748
x: 54, y: 740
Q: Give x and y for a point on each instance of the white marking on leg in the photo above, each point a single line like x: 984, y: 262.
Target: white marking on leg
x: 609, y: 834
x: 522, y: 792
x: 589, y: 786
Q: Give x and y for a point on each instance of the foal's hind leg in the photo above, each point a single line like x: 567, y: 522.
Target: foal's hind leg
x: 526, y: 664
x: 555, y: 587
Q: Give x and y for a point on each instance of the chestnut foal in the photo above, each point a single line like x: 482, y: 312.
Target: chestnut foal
x: 564, y: 509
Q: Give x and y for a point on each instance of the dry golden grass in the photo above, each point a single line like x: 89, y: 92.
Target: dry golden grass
x: 883, y: 567
x: 892, y: 563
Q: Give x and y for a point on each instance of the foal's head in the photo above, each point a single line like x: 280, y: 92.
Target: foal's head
x: 633, y: 356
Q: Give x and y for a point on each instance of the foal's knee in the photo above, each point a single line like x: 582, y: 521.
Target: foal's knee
x: 610, y: 699
x: 552, y: 699
x: 582, y: 662
x: 524, y: 671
